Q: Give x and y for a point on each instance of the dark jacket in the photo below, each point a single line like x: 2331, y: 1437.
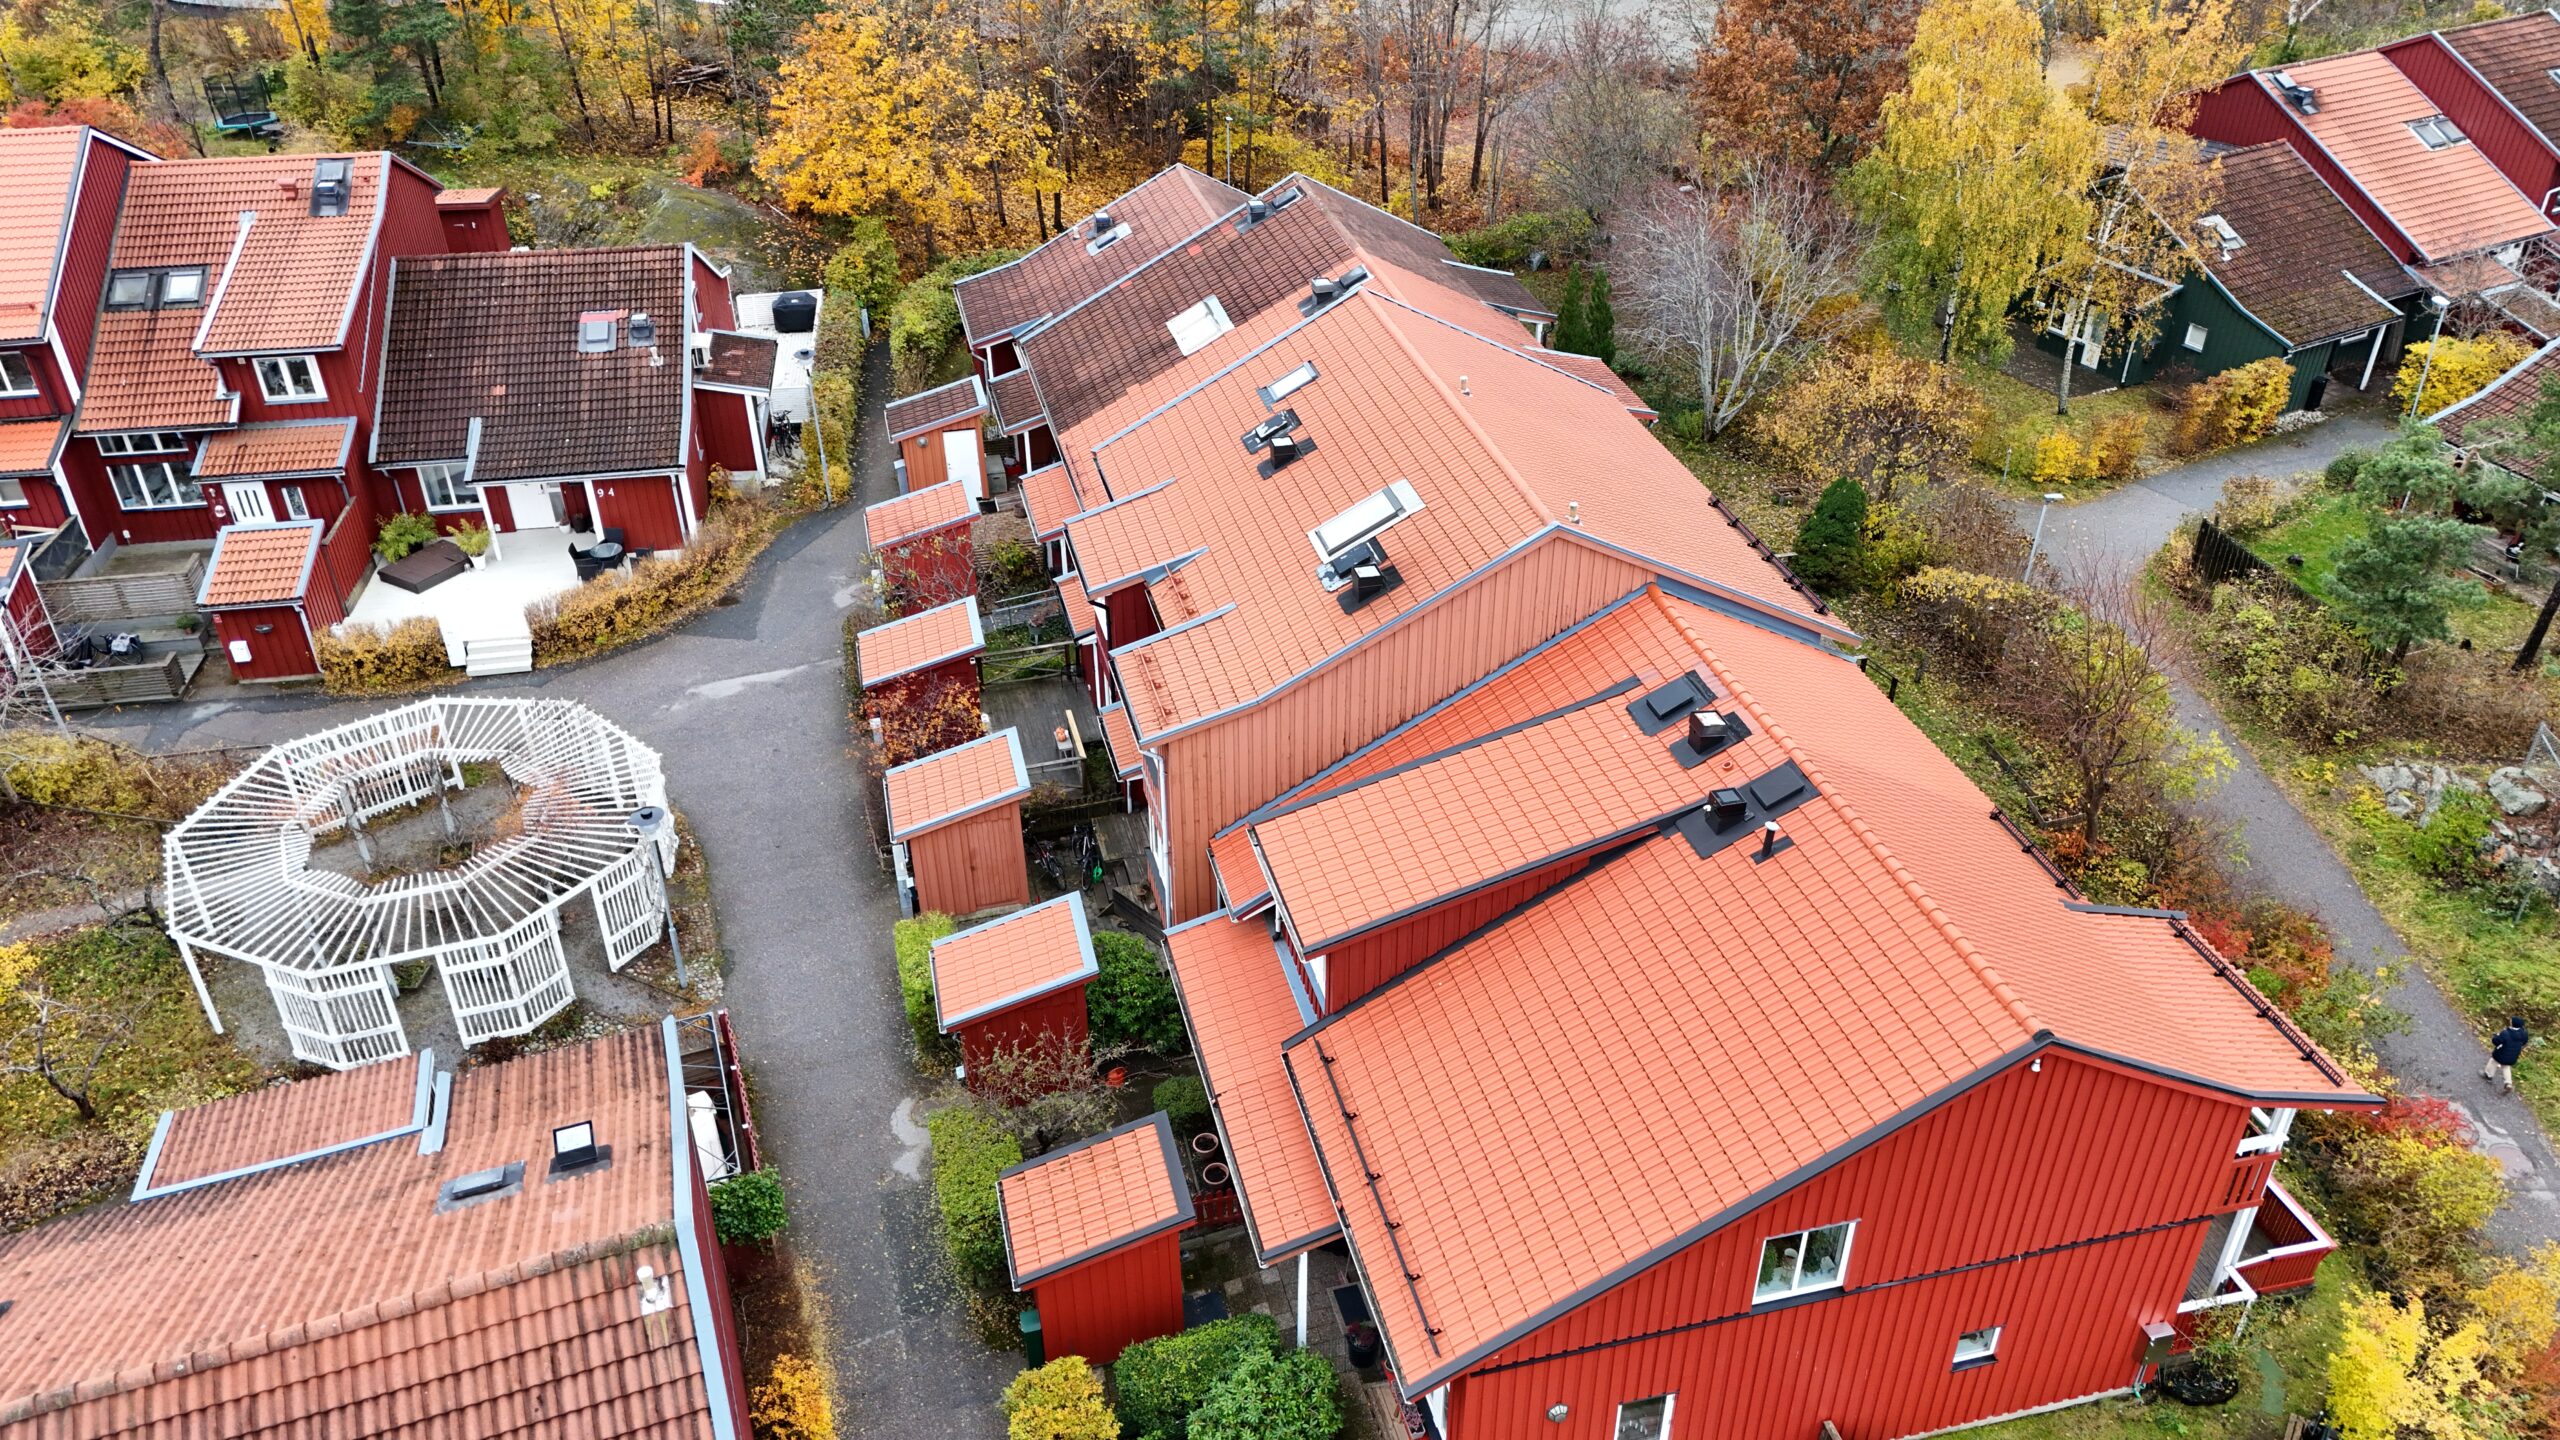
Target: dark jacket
x: 2508, y: 1044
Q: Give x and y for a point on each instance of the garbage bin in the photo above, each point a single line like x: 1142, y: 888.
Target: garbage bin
x: 1034, y: 1351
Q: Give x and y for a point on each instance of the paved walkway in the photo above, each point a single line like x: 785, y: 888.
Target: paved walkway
x: 2282, y: 854
x: 747, y: 705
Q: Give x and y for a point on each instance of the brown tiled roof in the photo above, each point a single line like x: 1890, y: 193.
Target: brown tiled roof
x: 915, y: 642
x: 495, y: 336
x: 1017, y: 401
x: 331, y: 1297
x: 1092, y: 1197
x: 918, y: 512
x: 264, y: 1126
x: 2492, y: 417
x: 2299, y: 246
x: 936, y: 409
x: 1011, y: 959
x: 745, y: 361
x: 1159, y: 212
x: 2516, y: 56
x: 37, y: 169
x: 27, y: 446
x: 277, y: 447
x: 2448, y: 202
x: 949, y: 784
x: 260, y: 564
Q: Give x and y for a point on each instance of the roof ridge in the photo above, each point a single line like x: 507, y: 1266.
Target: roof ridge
x: 1501, y: 460
x: 1979, y: 963
x: 193, y: 1362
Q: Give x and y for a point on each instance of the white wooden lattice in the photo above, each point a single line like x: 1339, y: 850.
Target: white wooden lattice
x: 627, y: 910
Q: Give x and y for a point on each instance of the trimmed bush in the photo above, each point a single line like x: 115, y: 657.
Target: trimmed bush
x: 615, y: 609
x: 2236, y: 406
x: 1061, y: 1400
x: 1287, y: 1397
x: 1161, y: 1381
x: 1131, y: 1002
x: 1185, y: 1102
x: 749, y: 1208
x: 914, y: 942
x: 792, y: 1403
x: 1831, y: 544
x: 969, y: 1152
x: 55, y: 769
x: 380, y: 660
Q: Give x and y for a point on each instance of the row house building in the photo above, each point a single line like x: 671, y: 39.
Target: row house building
x: 1674, y: 1041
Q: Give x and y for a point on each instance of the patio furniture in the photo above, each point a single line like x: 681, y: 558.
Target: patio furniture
x: 588, y: 566
x: 613, y: 536
x: 607, y: 551
x: 427, y: 567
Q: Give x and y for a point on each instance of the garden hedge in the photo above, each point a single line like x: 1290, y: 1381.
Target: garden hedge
x: 969, y: 1152
x: 1161, y: 1381
x: 1273, y: 1397
x: 1132, y: 1001
x: 913, y: 940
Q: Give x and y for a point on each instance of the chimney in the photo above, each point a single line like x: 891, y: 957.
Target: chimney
x: 1102, y: 223
x: 1725, y: 807
x: 1285, y: 448
x: 1707, y: 730
x: 1323, y: 289
x: 1768, y: 839
x: 644, y: 331
x: 1367, y: 582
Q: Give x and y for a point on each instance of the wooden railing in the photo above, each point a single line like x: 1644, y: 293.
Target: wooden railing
x: 2296, y: 1245
x: 161, y: 679
x: 2248, y: 1179
x: 126, y: 597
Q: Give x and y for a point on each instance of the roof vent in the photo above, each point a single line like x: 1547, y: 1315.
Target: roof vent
x: 1104, y: 231
x: 331, y: 181
x: 1323, y: 290
x: 643, y: 330
x: 1707, y: 733
x: 595, y: 331
x: 1255, y: 212
x: 2222, y: 233
x: 1350, y: 539
x: 1269, y: 430
x: 481, y: 1186
x: 1726, y: 806
x: 2302, y: 97
x: 1285, y: 448
x: 1666, y: 704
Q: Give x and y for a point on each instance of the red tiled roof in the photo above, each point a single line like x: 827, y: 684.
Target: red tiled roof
x: 1049, y: 499
x: 939, y: 408
x: 144, y: 375
x: 495, y: 336
x: 1092, y: 1197
x: 2516, y: 56
x: 38, y: 167
x: 1239, y: 870
x: 291, y: 281
x: 331, y: 1297
x: 1234, y: 986
x: 1123, y: 742
x: 2449, y: 202
x: 277, y: 447
x: 918, y: 512
x: 478, y: 195
x: 27, y: 446
x: 1078, y: 608
x: 1006, y: 961
x: 1159, y: 212
x: 919, y: 641
x: 260, y: 564
x: 1521, y: 452
x: 1594, y: 370
x: 745, y: 361
x: 950, y: 784
x: 282, y: 1121
x: 1017, y: 401
x: 2306, y: 267
x: 2492, y: 417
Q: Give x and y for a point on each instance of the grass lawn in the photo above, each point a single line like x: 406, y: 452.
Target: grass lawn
x: 2021, y: 414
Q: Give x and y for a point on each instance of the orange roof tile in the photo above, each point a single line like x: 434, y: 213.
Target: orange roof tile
x: 1006, y: 961
x: 27, y: 447
x: 1239, y: 870
x: 948, y: 785
x: 2448, y: 202
x: 919, y: 641
x: 1090, y: 1198
x: 1123, y: 742
x: 1159, y: 212
x: 1049, y: 498
x: 1236, y: 989
x: 39, y: 167
x: 918, y: 512
x: 1078, y: 608
x: 260, y: 564
x: 331, y: 1296
x: 477, y: 195
x: 1594, y: 370
x: 263, y: 1127
x: 277, y: 447
x: 144, y: 375
x: 939, y: 408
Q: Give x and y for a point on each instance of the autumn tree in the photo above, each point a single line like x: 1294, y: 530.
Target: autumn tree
x: 1870, y: 413
x: 1796, y: 84
x: 61, y: 1041
x: 1979, y: 177
x: 1599, y: 124
x: 2104, y: 285
x: 1738, y: 285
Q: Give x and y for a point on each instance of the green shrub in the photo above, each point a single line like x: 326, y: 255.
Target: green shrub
x: 1061, y: 1400
x: 382, y: 660
x: 2344, y: 469
x: 2447, y: 847
x: 1131, y: 1001
x: 969, y: 1152
x: 402, y: 535
x: 864, y: 269
x: 2250, y: 505
x: 2291, y: 661
x: 1185, y: 1102
x: 913, y: 940
x: 57, y: 769
x: 1161, y: 1381
x: 924, y: 319
x: 617, y: 608
x: 1505, y: 244
x: 1831, y: 544
x: 749, y: 1207
x: 1286, y: 1397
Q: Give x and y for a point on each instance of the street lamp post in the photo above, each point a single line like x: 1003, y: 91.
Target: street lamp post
x: 2427, y: 367
x: 652, y: 825
x: 2037, y: 543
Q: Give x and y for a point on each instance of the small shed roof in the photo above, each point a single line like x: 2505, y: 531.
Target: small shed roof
x: 920, y: 641
x: 27, y: 446
x: 1077, y: 605
x: 260, y: 564
x: 1122, y: 738
x: 939, y: 408
x: 1007, y: 961
x: 303, y: 1120
x: 739, y: 362
x: 918, y: 512
x: 1017, y: 399
x: 462, y: 199
x: 1092, y: 1197
x: 277, y: 447
x: 954, y: 784
x: 1049, y: 500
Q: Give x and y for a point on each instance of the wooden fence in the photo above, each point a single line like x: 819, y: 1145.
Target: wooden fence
x: 163, y: 678
x: 2219, y: 558
x: 126, y: 597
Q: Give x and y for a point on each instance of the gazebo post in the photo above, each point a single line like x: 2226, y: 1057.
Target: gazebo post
x: 204, y: 997
x: 1302, y: 1299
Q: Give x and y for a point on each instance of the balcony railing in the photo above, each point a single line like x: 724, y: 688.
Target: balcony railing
x: 2285, y: 1245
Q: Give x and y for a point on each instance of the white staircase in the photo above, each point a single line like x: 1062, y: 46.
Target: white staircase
x: 498, y: 655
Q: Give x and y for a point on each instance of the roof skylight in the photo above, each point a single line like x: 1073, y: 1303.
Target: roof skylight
x: 1350, y: 537
x: 1194, y: 328
x: 2222, y: 233
x: 2436, y: 132
x: 1288, y: 385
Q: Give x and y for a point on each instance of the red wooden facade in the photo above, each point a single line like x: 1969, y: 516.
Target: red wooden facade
x: 934, y: 568
x: 2502, y: 136
x: 1057, y: 1018
x: 643, y: 508
x: 2239, y: 111
x: 277, y: 645
x: 1113, y: 1301
x: 974, y: 863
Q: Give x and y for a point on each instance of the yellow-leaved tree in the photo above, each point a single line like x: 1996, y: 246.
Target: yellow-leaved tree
x: 1979, y: 180
x: 2403, y: 1369
x: 2462, y: 367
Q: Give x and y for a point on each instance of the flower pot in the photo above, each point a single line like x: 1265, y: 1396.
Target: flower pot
x: 1205, y: 1143
x: 2196, y: 1385
x: 1214, y: 1176
x: 1361, y: 1341
x: 1116, y: 1076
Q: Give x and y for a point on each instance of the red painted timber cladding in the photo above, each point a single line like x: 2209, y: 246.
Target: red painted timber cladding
x: 346, y: 548
x: 283, y: 653
x: 1107, y: 1304
x: 34, y: 622
x: 1875, y: 1364
x: 44, y: 508
x: 2024, y: 1162
x: 722, y: 424
x: 972, y: 864
x: 2238, y: 112
x: 469, y: 228
x: 2503, y: 139
x: 1128, y: 616
x: 1365, y: 962
x: 643, y: 508
x: 931, y: 569
x: 713, y: 1306
x: 1057, y: 1017
x: 93, y: 233
x: 928, y: 686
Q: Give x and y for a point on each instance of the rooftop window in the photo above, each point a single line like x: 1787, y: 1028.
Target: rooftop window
x: 2436, y: 132
x: 1288, y: 385
x: 129, y: 290
x: 1196, y: 327
x: 2222, y: 233
x: 1364, y: 521
x: 1803, y: 1262
x: 331, y: 181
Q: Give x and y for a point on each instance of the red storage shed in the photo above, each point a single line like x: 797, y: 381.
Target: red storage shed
x: 936, y: 432
x: 914, y: 660
x: 255, y: 595
x: 1015, y: 983
x: 955, y: 827
x: 1093, y: 1233
x: 922, y: 539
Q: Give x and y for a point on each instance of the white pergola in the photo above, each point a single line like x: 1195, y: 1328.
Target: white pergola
x: 240, y: 882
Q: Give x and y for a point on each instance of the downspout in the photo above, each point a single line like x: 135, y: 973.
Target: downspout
x: 706, y: 1338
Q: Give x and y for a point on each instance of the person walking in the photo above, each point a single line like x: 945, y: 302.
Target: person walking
x: 2505, y: 1049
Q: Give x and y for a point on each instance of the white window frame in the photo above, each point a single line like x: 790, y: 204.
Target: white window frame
x: 297, y: 506
x: 13, y: 494
x: 1988, y: 1351
x: 148, y: 282
x: 2270, y: 1127
x: 1670, y: 1402
x: 450, y: 476
x: 1199, y: 326
x: 2437, y: 132
x: 160, y: 297
x: 17, y: 375
x: 2195, y: 338
x: 142, y: 442
x: 274, y: 368
x: 172, y: 473
x: 1804, y: 1241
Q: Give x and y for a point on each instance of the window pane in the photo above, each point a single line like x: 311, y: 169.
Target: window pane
x: 182, y: 287
x: 182, y: 484
x: 1977, y: 1344
x: 1777, y: 1265
x: 1823, y: 1251
x: 129, y: 289
x: 17, y: 375
x: 1645, y: 1419
x: 13, y: 492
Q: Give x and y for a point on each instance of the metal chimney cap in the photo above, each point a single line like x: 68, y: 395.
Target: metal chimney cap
x: 648, y: 820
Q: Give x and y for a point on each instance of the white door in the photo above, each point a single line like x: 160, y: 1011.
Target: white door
x: 2093, y: 340
x: 964, y: 459
x: 248, y: 504
x: 534, y: 507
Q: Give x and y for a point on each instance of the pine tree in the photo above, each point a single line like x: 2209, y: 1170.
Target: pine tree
x: 1566, y: 334
x: 1599, y: 326
x: 2400, y: 582
x: 1831, y: 545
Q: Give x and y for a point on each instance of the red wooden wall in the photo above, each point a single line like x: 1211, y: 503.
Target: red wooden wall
x: 93, y: 232
x: 643, y: 508
x: 2239, y: 112
x: 1365, y: 962
x: 1057, y: 1018
x: 931, y: 569
x: 971, y: 864
x: 34, y: 622
x: 282, y: 653
x: 469, y: 228
x: 1111, y: 1302
x: 2504, y: 140
x: 714, y: 1307
x: 726, y: 429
